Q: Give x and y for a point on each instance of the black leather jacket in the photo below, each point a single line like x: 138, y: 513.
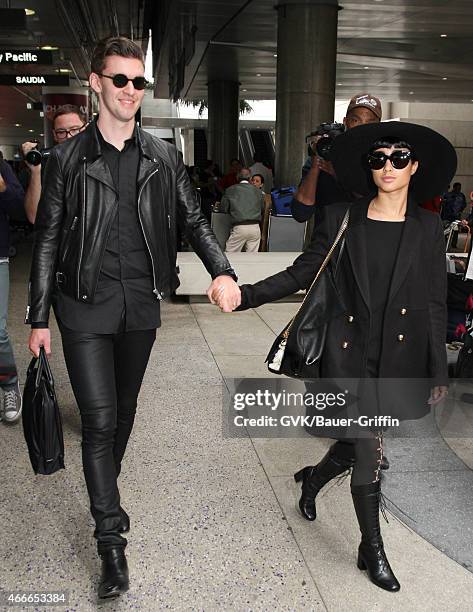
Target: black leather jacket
x: 76, y: 209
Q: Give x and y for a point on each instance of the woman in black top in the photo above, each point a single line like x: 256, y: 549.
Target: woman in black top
x: 391, y: 278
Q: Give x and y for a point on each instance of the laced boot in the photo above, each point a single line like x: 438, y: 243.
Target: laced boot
x: 315, y: 477
x: 371, y: 554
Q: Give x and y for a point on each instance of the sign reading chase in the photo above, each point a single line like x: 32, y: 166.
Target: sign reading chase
x: 37, y: 79
x: 15, y: 56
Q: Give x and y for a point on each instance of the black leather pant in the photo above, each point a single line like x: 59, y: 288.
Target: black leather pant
x: 106, y: 371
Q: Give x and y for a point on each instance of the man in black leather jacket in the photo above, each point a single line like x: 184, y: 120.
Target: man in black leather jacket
x: 104, y: 257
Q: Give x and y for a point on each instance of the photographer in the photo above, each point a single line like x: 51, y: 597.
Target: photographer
x: 319, y: 186
x: 67, y: 122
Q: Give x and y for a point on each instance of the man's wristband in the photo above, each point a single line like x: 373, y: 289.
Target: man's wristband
x: 39, y: 325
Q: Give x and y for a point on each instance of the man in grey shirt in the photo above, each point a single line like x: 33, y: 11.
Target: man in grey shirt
x: 245, y: 204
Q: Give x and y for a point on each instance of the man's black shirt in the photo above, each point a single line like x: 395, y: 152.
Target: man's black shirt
x: 124, y: 300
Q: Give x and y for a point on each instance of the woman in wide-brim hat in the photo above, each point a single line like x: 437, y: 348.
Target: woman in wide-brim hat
x: 391, y: 278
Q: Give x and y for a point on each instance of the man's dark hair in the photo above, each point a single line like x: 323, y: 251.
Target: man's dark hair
x: 235, y: 159
x: 115, y: 45
x: 261, y: 177
x: 457, y: 186
x: 69, y: 109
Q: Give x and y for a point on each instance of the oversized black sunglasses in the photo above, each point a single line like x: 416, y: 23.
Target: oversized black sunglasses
x: 121, y: 80
x: 398, y: 159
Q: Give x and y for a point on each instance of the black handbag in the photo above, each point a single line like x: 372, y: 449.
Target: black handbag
x: 297, y: 350
x: 41, y: 418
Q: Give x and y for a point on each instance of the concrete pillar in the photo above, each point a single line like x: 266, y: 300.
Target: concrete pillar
x: 222, y: 131
x: 305, y: 91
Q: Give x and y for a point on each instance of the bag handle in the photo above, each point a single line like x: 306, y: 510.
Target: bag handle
x: 325, y: 262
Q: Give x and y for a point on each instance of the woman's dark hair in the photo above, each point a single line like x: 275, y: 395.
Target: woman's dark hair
x: 392, y: 141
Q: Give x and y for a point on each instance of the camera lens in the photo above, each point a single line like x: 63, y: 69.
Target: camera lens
x: 34, y: 157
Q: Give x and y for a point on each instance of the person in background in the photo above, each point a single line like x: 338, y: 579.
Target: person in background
x: 11, y: 203
x: 209, y: 189
x: 257, y: 180
x: 231, y: 178
x: 319, y: 186
x: 68, y: 121
x: 245, y: 204
x: 434, y: 204
x: 454, y: 203
x: 259, y: 168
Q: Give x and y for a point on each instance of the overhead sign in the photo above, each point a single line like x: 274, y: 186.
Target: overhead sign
x: 15, y: 56
x: 36, y: 79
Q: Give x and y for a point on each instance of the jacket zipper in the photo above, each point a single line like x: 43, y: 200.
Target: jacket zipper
x: 155, y: 291
x: 82, y: 231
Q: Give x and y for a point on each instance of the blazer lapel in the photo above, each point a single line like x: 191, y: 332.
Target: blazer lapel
x: 355, y: 242
x: 407, y: 248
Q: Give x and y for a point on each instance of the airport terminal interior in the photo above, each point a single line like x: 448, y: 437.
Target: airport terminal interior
x: 242, y: 89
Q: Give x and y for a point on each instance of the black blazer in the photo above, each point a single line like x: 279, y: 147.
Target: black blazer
x: 416, y: 314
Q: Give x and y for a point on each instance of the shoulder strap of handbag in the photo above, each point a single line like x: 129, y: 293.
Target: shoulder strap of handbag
x: 325, y: 262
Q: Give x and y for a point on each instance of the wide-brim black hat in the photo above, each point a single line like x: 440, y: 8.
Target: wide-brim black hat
x: 436, y: 156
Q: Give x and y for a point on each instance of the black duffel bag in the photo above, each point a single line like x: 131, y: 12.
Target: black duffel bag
x: 41, y: 418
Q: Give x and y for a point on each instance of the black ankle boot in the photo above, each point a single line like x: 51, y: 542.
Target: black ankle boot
x: 124, y: 522
x: 315, y: 477
x: 114, y: 580
x: 371, y: 555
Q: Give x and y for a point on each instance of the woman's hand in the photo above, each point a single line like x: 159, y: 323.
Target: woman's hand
x: 437, y: 394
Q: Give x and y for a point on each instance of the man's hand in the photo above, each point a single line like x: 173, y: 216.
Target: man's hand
x: 26, y: 147
x: 326, y: 166
x: 3, y: 185
x: 38, y: 338
x: 437, y: 394
x: 225, y: 293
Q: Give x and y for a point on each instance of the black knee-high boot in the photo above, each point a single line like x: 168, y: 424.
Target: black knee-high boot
x: 371, y: 555
x: 334, y: 463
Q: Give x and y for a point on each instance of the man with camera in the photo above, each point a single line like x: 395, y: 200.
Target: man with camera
x: 319, y: 186
x: 67, y: 121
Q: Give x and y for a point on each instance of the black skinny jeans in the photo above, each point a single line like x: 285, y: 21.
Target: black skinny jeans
x: 106, y: 372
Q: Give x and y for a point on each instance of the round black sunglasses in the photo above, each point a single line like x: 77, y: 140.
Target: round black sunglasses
x: 121, y: 80
x: 398, y: 159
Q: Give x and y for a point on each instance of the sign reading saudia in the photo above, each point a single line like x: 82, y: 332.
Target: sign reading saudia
x: 35, y: 79
x: 15, y: 56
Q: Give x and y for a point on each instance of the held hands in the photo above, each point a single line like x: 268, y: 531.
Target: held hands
x: 225, y: 293
x: 38, y: 338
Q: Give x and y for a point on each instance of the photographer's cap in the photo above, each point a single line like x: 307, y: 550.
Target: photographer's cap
x: 366, y: 100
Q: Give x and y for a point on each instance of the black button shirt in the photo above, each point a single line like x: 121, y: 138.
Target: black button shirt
x: 124, y: 298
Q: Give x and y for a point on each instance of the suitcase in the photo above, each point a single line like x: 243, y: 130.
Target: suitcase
x: 281, y: 199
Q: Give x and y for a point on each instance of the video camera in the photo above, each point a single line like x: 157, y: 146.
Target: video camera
x: 322, y: 146
x: 35, y: 157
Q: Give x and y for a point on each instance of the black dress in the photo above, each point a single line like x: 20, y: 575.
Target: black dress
x: 382, y: 246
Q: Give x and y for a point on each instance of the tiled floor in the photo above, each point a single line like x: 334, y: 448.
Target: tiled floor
x: 214, y: 519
